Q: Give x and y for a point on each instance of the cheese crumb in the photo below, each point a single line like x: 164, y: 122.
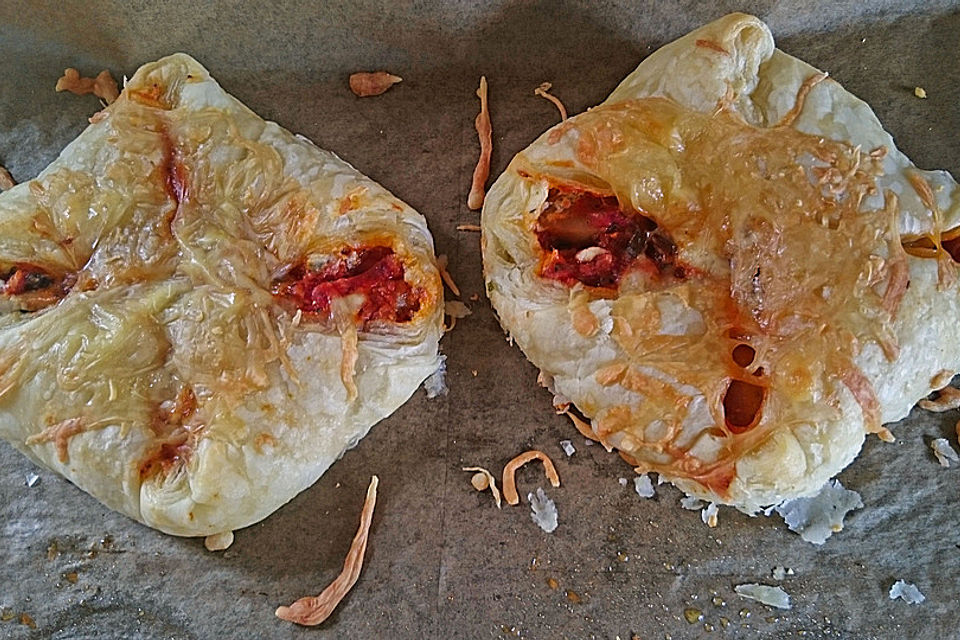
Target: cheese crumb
x: 920, y: 92
x: 567, y: 447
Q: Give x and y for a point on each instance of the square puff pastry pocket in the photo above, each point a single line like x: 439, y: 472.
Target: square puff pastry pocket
x: 201, y: 311
x: 729, y: 268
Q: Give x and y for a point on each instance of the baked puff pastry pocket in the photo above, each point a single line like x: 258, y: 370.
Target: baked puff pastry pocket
x: 201, y: 311
x: 728, y: 268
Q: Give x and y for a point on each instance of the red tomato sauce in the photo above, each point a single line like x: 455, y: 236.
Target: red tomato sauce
x: 578, y: 220
x: 375, y: 272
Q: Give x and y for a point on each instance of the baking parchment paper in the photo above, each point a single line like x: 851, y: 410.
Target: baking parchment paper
x: 443, y: 562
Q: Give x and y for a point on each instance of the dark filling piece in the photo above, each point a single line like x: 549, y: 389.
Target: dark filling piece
x: 34, y: 287
x: 577, y: 220
x: 375, y: 272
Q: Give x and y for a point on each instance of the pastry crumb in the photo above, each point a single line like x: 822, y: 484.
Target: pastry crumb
x: 218, y: 541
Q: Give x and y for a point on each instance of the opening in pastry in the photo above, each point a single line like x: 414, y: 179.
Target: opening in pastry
x: 924, y: 247
x: 743, y: 355
x: 34, y: 288
x: 588, y: 238
x: 376, y: 273
x: 741, y: 405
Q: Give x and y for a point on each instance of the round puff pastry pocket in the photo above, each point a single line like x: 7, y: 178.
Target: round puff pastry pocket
x: 729, y: 268
x: 200, y: 311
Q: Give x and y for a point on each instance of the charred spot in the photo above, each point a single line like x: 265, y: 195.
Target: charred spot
x: 375, y: 272
x: 613, y: 240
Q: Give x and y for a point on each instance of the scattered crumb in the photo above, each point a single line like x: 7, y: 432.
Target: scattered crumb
x: 771, y: 596
x: 691, y: 503
x: 27, y: 620
x: 907, y: 592
x: 436, y: 383
x: 474, y: 372
x: 314, y: 610
x: 71, y: 577
x: 589, y: 442
x: 474, y: 297
x: 218, y: 541
x: 6, y: 180
x: 552, y: 583
x: 468, y: 227
x: 779, y: 573
x: 944, y: 452
x: 920, y: 92
x: 644, y: 486
x: 485, y: 133
x: 103, y: 86
x: 623, y: 482
x: 543, y: 92
x: 710, y: 515
x: 819, y: 517
x: 543, y: 510
x: 455, y: 309
x: 482, y: 480
x: 567, y: 447
x: 365, y: 84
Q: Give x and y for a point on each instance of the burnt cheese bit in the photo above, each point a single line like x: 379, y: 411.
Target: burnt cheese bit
x: 376, y: 273
x: 588, y: 238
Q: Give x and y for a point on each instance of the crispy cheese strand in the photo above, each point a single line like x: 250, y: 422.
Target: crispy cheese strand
x: 947, y: 398
x: 364, y: 84
x: 485, y: 132
x: 790, y: 116
x: 312, y: 610
x: 442, y: 261
x: 543, y: 92
x: 491, y: 482
x: 103, y: 86
x: 510, y: 470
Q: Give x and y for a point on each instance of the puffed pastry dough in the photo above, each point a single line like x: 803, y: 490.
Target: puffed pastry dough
x: 728, y: 268
x: 201, y: 311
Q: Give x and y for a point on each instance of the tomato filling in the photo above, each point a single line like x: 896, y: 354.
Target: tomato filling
x: 374, y: 272
x: 587, y: 238
x: 35, y: 287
